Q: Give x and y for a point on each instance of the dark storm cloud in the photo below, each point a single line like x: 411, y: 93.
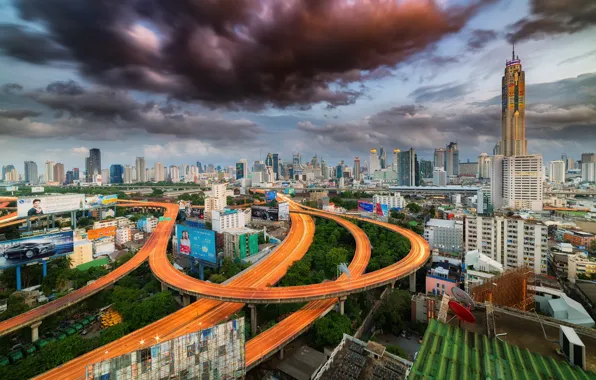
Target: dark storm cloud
x: 18, y: 114
x: 244, y: 53
x: 104, y: 114
x: 30, y: 46
x: 551, y: 17
x: 10, y: 88
x: 480, y: 37
x: 438, y: 93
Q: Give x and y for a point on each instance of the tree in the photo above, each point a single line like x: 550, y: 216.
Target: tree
x: 157, y: 192
x: 592, y: 247
x: 329, y: 330
x: 394, y: 310
x: 414, y: 207
x: 217, y: 278
x: 333, y: 258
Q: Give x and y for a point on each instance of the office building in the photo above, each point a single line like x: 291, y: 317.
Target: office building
x: 276, y: 166
x: 588, y: 157
x: 76, y: 174
x: 31, y: 175
x: 69, y: 177
x: 105, y: 176
x: 395, y: 201
x: 444, y: 235
x: 127, y: 174
x: 382, y: 158
x: 408, y: 173
x: 513, y: 112
x: 579, y: 238
x: 94, y: 163
x: 440, y: 157
x: 452, y: 160
x: 240, y: 243
x: 224, y: 220
x: 468, y: 169
x: 174, y: 174
x: 242, y: 168
x: 141, y: 169
x: 159, y: 172
x: 484, y: 166
x: 357, y: 168
x: 117, y: 174
x: 59, y: 173
x: 50, y: 171
x: 588, y: 172
x: 557, y: 171
x: 523, y: 182
x: 10, y: 173
x: 439, y: 177
x: 374, y: 164
x: 512, y: 242
x: 426, y: 168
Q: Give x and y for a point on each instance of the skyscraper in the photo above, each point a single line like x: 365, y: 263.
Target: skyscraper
x: 116, y: 173
x: 159, y: 172
x: 374, y: 163
x: 452, y: 160
x: 59, y: 173
x: 513, y: 112
x: 408, y: 173
x: 395, y: 163
x: 50, y: 171
x: 426, y: 169
x: 94, y: 163
x: 297, y: 159
x: 127, y: 175
x: 276, y: 163
x: 31, y: 172
x: 382, y: 158
x: 484, y: 166
x: 242, y: 168
x: 140, y: 169
x: 557, y: 171
x: 357, y: 168
x: 76, y: 174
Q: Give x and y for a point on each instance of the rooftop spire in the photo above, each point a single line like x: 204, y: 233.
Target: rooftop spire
x: 513, y: 53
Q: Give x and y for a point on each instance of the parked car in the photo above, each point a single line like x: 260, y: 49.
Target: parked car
x: 408, y: 335
x: 29, y: 250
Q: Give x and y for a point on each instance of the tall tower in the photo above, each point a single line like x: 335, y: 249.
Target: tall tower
x: 513, y: 111
x: 357, y: 168
x: 374, y: 163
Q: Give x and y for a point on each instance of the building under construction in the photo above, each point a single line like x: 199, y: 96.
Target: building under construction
x: 508, y: 289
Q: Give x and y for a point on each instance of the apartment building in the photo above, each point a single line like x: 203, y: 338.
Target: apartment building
x: 392, y: 201
x: 512, y: 242
x: 579, y: 238
x: 82, y: 253
x: 226, y: 220
x: 444, y: 235
x: 123, y: 235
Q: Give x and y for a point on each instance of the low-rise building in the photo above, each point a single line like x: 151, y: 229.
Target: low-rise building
x: 82, y: 253
x: 444, y: 235
x: 123, y: 235
x: 580, y: 264
x: 240, y: 243
x: 392, y: 201
x: 440, y: 280
x: 579, y: 238
x: 103, y: 246
x: 120, y: 221
x: 227, y: 219
x: 137, y: 235
x: 479, y: 269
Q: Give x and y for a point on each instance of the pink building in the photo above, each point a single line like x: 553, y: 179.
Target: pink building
x: 438, y: 282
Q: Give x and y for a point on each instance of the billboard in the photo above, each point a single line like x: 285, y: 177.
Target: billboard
x: 270, y: 196
x: 37, y: 189
x: 95, y: 201
x: 289, y: 191
x: 196, y: 242
x: 381, y: 209
x: 12, y: 188
x: 24, y: 250
x: 210, y: 354
x: 284, y: 211
x: 264, y: 213
x: 195, y: 223
x: 99, y: 233
x: 365, y: 206
x: 53, y: 204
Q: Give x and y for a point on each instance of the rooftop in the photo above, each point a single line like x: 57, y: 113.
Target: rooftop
x: 440, y: 223
x: 94, y: 263
x: 302, y: 363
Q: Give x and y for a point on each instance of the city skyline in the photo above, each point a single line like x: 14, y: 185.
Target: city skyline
x: 59, y: 107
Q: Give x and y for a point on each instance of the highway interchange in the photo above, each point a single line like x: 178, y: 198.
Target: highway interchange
x: 219, y: 302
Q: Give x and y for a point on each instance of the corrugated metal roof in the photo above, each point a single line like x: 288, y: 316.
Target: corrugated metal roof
x: 451, y: 353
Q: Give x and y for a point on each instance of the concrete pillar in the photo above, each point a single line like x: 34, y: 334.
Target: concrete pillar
x: 44, y: 269
x: 186, y: 299
x: 342, y: 301
x: 413, y: 283
x: 281, y: 354
x: 201, y: 271
x: 164, y: 287
x: 35, y: 331
x: 18, y: 277
x: 253, y: 319
x: 392, y: 285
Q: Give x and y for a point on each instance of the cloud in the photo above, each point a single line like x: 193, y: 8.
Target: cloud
x: 577, y: 58
x: 18, y: 114
x: 80, y: 151
x: 243, y: 54
x: 175, y: 149
x: 438, y: 93
x: 480, y: 37
x: 552, y: 17
x: 30, y: 46
x: 10, y: 88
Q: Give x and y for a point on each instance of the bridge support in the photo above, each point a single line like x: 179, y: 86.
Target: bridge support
x: 392, y: 285
x: 164, y: 287
x: 342, y: 301
x: 186, y: 299
x: 253, y: 319
x: 413, y: 283
x: 18, y: 277
x: 281, y: 354
x: 35, y: 331
x: 201, y: 271
x: 44, y: 268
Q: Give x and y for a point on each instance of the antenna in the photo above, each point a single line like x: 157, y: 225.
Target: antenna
x: 513, y: 53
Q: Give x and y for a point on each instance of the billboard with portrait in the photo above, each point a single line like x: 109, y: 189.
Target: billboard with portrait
x: 52, y: 204
x: 37, y: 189
x: 284, y: 211
x: 32, y: 248
x: 365, y: 206
x: 270, y: 196
x: 196, y: 242
x: 99, y: 233
x: 264, y: 213
x: 95, y: 201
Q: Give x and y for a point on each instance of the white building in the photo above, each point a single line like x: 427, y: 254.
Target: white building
x: 557, y: 171
x: 479, y: 269
x: 159, y: 174
x: 589, y: 171
x: 226, y: 220
x: 127, y: 176
x: 517, y: 182
x: 123, y: 235
x: 512, y: 242
x: 439, y: 177
x: 50, y: 171
x: 444, y: 235
x: 496, y: 181
x: 392, y: 201
x: 257, y: 178
x: 217, y: 200
x: 103, y: 246
x: 105, y: 176
x: 374, y: 163
x: 174, y: 174
x: 484, y: 166
x: 140, y: 169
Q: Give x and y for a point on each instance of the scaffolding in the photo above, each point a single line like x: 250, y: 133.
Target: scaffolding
x: 509, y: 289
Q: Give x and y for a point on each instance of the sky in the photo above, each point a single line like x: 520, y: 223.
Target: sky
x: 219, y: 80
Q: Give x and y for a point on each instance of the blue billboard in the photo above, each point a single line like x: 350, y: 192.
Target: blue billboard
x: 95, y: 201
x: 365, y: 206
x: 270, y: 196
x: 195, y: 223
x: 196, y: 242
x: 33, y: 248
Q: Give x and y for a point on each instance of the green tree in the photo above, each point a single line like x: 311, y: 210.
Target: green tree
x: 217, y: 278
x: 414, y: 207
x: 592, y: 247
x: 394, y: 310
x: 157, y: 192
x: 329, y: 330
x: 15, y: 306
x: 333, y: 258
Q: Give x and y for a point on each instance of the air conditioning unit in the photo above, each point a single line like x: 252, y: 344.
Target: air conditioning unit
x: 572, y: 346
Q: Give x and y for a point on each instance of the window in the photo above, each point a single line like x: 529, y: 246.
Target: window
x: 443, y: 287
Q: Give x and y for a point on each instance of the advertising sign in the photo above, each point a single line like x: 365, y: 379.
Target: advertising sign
x: 21, y: 251
x: 270, y: 196
x: 289, y: 191
x: 37, y: 189
x: 99, y: 233
x: 196, y: 242
x: 381, y: 209
x: 195, y: 223
x: 264, y: 213
x: 284, y: 211
x: 95, y: 201
x: 36, y: 206
x: 365, y: 206
x: 12, y: 188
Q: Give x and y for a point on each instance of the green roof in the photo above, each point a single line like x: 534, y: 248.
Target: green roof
x: 94, y: 263
x: 451, y: 353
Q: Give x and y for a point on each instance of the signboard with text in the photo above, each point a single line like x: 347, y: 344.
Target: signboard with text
x: 284, y: 211
x: 37, y: 189
x: 365, y: 206
x: 33, y: 248
x: 270, y: 196
x: 196, y: 242
x: 95, y: 201
x: 53, y: 204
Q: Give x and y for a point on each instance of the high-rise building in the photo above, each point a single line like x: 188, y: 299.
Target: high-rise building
x: 159, y: 174
x: 105, y: 177
x: 439, y: 157
x: 339, y: 170
x: 31, y: 172
x: 296, y: 159
x: 127, y: 175
x: 50, y: 171
x: 357, y: 168
x: 140, y: 169
x: 76, y: 174
x: 69, y: 177
x: 10, y: 173
x: 276, y: 164
x: 324, y: 170
x: 374, y: 163
x: 242, y: 168
x: 426, y: 168
x: 382, y: 158
x: 94, y: 162
x: 444, y: 235
x: 439, y: 177
x: 117, y: 174
x: 314, y: 162
x: 174, y: 173
x: 588, y: 157
x: 452, y: 160
x: 59, y: 173
x: 589, y: 172
x: 484, y: 166
x: 522, y: 182
x: 87, y: 168
x: 199, y: 167
x: 496, y: 181
x: 408, y: 171
x: 557, y: 171
x: 513, y: 112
